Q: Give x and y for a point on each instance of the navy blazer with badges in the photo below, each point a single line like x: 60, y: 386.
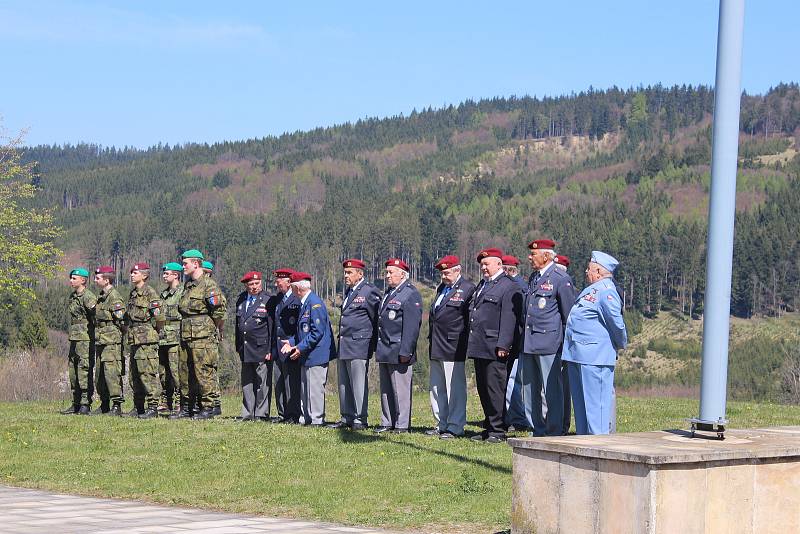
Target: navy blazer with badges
x: 494, y: 318
x: 399, y: 321
x: 547, y: 307
x: 253, y: 328
x: 449, y: 322
x: 358, y: 325
x: 314, y: 333
x: 285, y: 315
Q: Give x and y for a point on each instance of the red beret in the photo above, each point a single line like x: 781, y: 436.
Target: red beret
x: 547, y: 244
x: 141, y: 266
x: 283, y: 272
x: 104, y: 269
x: 490, y: 253
x: 397, y: 262
x: 510, y: 260
x: 354, y: 263
x: 297, y: 276
x: 448, y: 262
x: 252, y: 275
x: 563, y: 260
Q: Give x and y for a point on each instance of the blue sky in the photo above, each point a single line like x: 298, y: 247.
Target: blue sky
x: 139, y: 73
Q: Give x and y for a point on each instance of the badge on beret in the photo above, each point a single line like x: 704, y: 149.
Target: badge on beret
x: 291, y: 320
x: 392, y: 315
x: 541, y: 302
x: 305, y: 327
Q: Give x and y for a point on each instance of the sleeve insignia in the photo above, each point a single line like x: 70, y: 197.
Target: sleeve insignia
x: 315, y: 306
x: 213, y: 299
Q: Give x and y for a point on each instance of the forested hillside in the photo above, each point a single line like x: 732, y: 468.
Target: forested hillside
x: 622, y: 170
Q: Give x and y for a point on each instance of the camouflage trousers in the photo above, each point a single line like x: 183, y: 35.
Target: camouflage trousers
x: 168, y: 366
x: 143, y: 376
x: 201, y: 366
x: 80, y: 371
x: 109, y: 369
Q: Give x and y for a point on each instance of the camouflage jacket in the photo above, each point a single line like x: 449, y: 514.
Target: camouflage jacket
x: 110, y: 317
x: 201, y: 304
x: 142, y: 314
x: 81, y: 315
x: 170, y: 334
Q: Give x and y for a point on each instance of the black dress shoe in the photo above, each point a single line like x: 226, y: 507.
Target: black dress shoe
x: 381, y: 429
x: 432, y: 432
x: 447, y: 436
x: 149, y: 413
x: 245, y: 419
x: 207, y: 413
x: 338, y: 425
x: 84, y: 410
x: 478, y: 437
x: 277, y: 419
x: 495, y: 439
x: 358, y: 426
x: 72, y: 410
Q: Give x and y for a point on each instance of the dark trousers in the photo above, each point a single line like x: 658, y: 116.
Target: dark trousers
x: 256, y: 389
x: 491, y: 377
x: 287, y: 388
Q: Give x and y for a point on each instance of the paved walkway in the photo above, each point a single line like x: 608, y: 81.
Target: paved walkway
x: 24, y: 511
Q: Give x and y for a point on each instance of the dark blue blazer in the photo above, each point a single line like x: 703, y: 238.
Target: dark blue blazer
x: 547, y: 307
x: 358, y: 325
x: 314, y: 333
x: 449, y: 322
x: 285, y: 317
x: 494, y: 319
x: 253, y: 328
x: 399, y: 321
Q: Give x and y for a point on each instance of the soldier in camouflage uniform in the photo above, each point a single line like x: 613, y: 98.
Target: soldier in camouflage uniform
x: 202, y: 307
x: 81, y: 307
x: 144, y: 319
x: 208, y: 269
x: 169, y: 343
x: 109, y: 316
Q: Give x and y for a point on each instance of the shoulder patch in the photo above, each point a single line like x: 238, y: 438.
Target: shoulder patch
x: 315, y: 306
x: 155, y: 304
x: 213, y: 298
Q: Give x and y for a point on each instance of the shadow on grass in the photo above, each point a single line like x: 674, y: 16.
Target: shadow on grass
x: 349, y: 436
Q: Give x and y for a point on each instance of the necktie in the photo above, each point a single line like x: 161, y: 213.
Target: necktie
x: 250, y: 300
x: 442, y: 296
x: 386, y: 297
x: 347, y: 297
x: 480, y: 288
x: 535, y: 279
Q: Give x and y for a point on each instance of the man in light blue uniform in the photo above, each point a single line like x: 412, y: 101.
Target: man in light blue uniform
x: 595, y: 332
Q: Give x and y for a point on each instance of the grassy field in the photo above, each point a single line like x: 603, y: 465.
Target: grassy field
x: 410, y: 481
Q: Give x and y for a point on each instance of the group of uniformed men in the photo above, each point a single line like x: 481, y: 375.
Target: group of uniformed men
x: 535, y: 344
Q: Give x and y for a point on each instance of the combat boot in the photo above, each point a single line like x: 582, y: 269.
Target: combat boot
x: 182, y: 412
x: 84, y: 410
x: 102, y: 409
x: 217, y: 409
x: 205, y: 413
x: 149, y: 414
x: 116, y: 410
x: 72, y: 410
x: 133, y: 413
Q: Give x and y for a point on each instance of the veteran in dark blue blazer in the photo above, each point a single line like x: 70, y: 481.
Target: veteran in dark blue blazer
x: 595, y: 332
x: 314, y: 349
x: 550, y: 296
x: 515, y: 406
x: 493, y: 338
x: 358, y: 330
x: 253, y: 341
x: 284, y: 308
x: 448, y: 335
x: 399, y: 321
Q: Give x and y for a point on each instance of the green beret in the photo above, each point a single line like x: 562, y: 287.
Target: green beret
x: 193, y: 253
x: 172, y: 266
x: 208, y: 265
x: 80, y: 271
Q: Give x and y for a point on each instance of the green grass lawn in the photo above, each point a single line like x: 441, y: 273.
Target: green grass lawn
x: 407, y: 481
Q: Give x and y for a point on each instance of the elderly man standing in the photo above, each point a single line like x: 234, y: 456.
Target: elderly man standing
x: 515, y: 406
x: 493, y: 339
x: 595, y: 332
x: 314, y: 349
x: 285, y: 309
x: 399, y: 321
x: 550, y: 296
x: 448, y: 335
x: 254, y: 344
x: 358, y: 327
x: 511, y: 267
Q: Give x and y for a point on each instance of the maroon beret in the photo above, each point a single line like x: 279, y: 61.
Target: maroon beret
x: 510, y: 260
x: 141, y: 266
x: 104, y: 269
x: 397, y: 262
x: 547, y: 244
x: 489, y: 253
x: 252, y: 275
x: 563, y: 260
x: 448, y: 262
x: 283, y: 272
x: 297, y: 276
x: 354, y: 263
